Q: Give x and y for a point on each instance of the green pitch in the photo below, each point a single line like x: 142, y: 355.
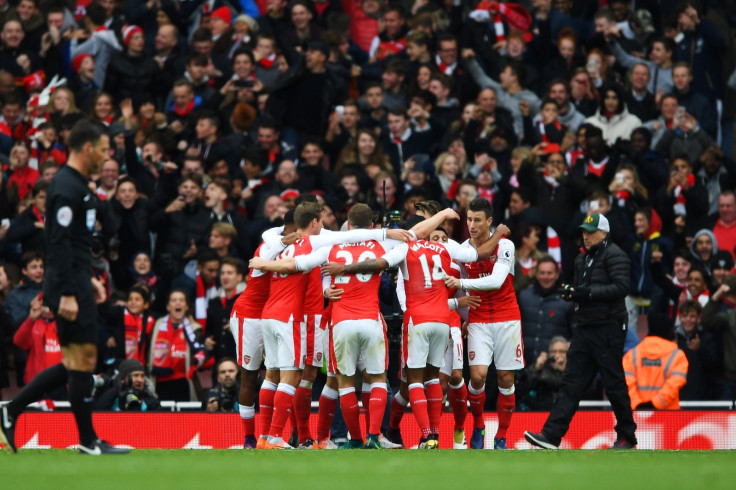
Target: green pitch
x: 377, y: 470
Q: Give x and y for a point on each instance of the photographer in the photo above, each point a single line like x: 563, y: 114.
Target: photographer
x: 601, y: 281
x: 224, y: 395
x: 127, y: 391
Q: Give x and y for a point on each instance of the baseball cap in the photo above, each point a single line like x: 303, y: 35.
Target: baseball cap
x: 595, y: 222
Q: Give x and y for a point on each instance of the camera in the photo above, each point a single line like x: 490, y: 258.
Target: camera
x: 130, y: 400
x: 392, y: 219
x: 225, y: 400
x: 244, y: 83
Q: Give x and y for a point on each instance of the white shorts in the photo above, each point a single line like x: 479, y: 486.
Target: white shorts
x: 314, y: 341
x: 248, y: 337
x: 284, y: 344
x: 425, y: 343
x: 454, y: 352
x: 353, y: 339
x: 496, y: 341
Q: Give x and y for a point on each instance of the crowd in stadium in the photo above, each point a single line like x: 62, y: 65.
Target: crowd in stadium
x: 223, y: 115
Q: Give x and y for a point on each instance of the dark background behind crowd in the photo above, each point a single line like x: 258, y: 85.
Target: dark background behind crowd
x: 222, y: 113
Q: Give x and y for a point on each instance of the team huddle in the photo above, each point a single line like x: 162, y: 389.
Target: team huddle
x: 281, y: 320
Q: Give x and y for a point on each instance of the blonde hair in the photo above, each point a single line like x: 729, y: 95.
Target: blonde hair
x: 72, y: 100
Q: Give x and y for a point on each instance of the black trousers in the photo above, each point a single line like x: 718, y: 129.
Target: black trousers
x: 593, y: 349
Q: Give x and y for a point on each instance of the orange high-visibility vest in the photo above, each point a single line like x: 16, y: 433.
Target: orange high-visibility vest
x: 655, y: 371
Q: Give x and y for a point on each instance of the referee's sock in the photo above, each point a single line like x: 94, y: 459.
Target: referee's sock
x: 80, y: 397
x: 44, y: 382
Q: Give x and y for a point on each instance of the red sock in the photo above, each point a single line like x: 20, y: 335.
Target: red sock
x: 398, y: 407
x: 418, y: 401
x: 303, y: 404
x: 351, y: 412
x: 365, y: 398
x: 506, y: 405
x: 265, y: 403
x: 247, y: 415
x: 477, y: 401
x: 434, y: 404
x: 459, y: 402
x: 377, y: 407
x: 327, y: 407
x: 282, y: 409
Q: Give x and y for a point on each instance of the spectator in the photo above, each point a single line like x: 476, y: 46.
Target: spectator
x: 684, y: 136
x: 101, y: 44
x: 169, y: 58
x: 541, y: 381
x: 132, y: 73
x: 720, y: 315
x: 128, y: 328
x: 721, y: 267
x: 219, y: 308
x: 222, y: 237
x: 701, y: 348
x: 656, y: 370
x: 659, y: 76
x: 703, y: 249
x: 697, y: 104
x: 613, y: 117
x: 723, y: 227
x: 37, y: 336
x: 392, y: 39
x: 27, y: 228
x: 176, y: 349
x: 718, y: 176
x: 543, y: 312
x: 683, y: 204
x: 128, y: 391
x: 525, y: 238
x: 14, y: 58
x: 640, y: 101
x: 649, y: 239
x: 223, y: 397
x: 23, y: 177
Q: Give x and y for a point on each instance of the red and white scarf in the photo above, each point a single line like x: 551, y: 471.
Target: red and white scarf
x: 553, y: 246
x: 498, y: 27
x: 204, y: 293
x: 597, y: 168
x: 486, y: 194
x: 136, y: 334
x: 445, y: 68
x: 268, y: 62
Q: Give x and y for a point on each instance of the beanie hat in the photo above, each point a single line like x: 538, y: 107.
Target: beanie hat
x: 129, y: 366
x: 129, y: 32
x: 222, y: 13
x: 77, y: 62
x: 36, y: 79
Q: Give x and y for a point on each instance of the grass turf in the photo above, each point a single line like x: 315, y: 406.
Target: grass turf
x: 163, y: 469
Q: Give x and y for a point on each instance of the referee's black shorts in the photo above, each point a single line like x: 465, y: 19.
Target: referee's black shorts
x: 84, y: 329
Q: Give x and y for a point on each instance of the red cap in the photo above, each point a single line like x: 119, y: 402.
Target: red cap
x: 223, y: 13
x: 289, y: 194
x: 34, y: 80
x: 77, y: 61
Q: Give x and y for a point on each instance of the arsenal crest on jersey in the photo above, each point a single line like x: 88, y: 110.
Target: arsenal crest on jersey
x: 471, y: 355
x: 246, y: 359
x: 160, y: 351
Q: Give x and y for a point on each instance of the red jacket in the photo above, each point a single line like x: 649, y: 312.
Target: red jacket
x: 40, y: 339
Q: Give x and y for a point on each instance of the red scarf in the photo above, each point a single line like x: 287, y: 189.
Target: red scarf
x: 51, y: 346
x: 572, y: 155
x: 40, y: 217
x: 550, y: 180
x: 268, y: 62
x: 204, y: 292
x: 136, y: 335
x: 679, y: 196
x: 543, y: 131
x: 597, y: 168
x: 486, y: 194
x: 320, y: 7
x: 186, y: 110
x: 623, y: 197
x: 444, y: 68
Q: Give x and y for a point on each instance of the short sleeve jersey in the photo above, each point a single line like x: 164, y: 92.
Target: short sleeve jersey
x: 498, y: 305
x: 251, y: 302
x: 424, y: 270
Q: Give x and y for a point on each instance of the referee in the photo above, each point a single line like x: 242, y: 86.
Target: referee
x: 68, y: 289
x: 601, y: 281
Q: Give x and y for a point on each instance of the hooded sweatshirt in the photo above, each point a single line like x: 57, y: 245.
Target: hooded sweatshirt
x: 696, y: 257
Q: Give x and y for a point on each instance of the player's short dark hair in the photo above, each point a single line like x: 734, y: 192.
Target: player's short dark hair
x: 681, y: 156
x: 519, y: 70
x: 186, y: 297
x: 360, y: 216
x: 235, y: 262
x: 305, y: 213
x: 306, y: 197
x: 427, y: 97
x: 270, y: 123
x: 548, y: 100
x: 196, y: 178
x: 207, y: 255
x: 210, y: 116
x: 85, y: 131
x: 669, y: 44
x: 481, y: 204
x: 699, y: 270
x: 690, y: 305
x: 29, y: 257
x: 289, y: 217
x: 683, y: 253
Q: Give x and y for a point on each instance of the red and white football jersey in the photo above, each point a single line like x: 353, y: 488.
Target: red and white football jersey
x: 497, y: 305
x: 251, y: 301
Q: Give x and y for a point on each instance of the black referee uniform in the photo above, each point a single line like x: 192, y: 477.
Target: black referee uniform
x: 71, y: 214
